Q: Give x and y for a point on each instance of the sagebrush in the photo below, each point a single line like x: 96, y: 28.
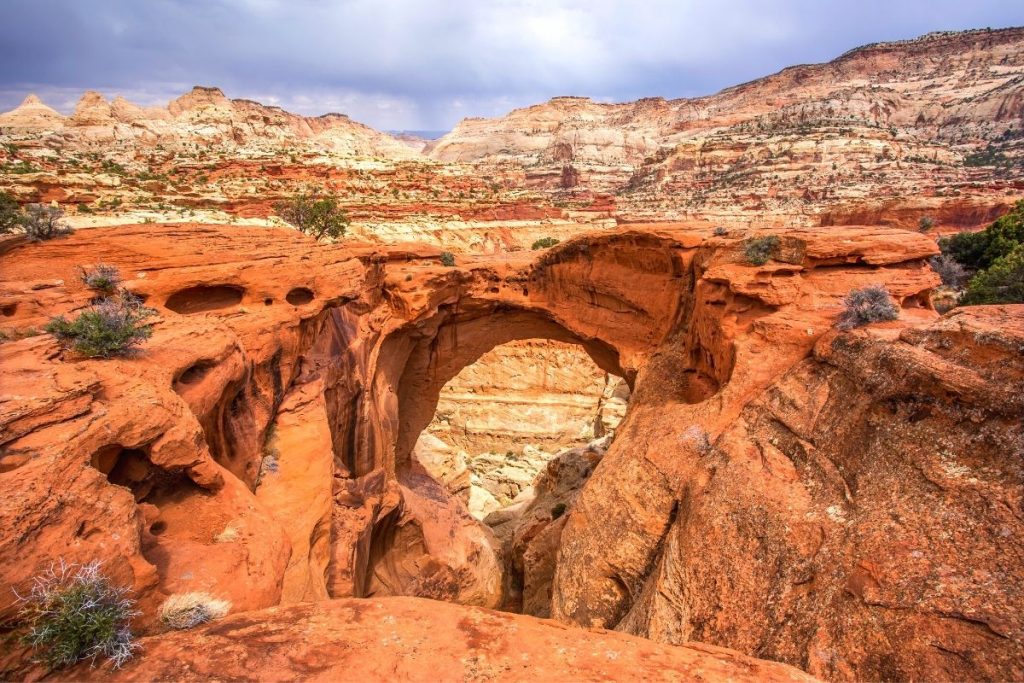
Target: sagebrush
x: 75, y: 613
x: 110, y: 328
x: 949, y: 270
x: 101, y: 278
x: 867, y: 305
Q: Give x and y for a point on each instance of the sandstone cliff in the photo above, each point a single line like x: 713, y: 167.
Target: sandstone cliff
x: 202, y: 117
x: 918, y: 124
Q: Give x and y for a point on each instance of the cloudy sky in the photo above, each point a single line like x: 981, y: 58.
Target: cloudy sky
x: 425, y: 64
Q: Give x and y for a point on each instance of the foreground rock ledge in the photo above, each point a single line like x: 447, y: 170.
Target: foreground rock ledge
x: 413, y: 639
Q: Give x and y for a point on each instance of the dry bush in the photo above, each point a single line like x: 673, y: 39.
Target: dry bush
x: 868, y: 305
x: 188, y: 610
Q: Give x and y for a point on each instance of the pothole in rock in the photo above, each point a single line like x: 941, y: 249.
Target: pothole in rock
x: 501, y: 420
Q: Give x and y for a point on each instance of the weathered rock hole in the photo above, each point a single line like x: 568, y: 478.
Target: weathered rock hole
x: 205, y: 298
x: 922, y: 300
x: 194, y: 373
x: 127, y: 467
x: 7, y: 310
x: 300, y: 296
x: 268, y: 302
x: 132, y: 469
x: 158, y: 527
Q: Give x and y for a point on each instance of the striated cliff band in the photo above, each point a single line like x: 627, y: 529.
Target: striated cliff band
x: 885, y: 134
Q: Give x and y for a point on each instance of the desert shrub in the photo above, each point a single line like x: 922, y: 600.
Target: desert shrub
x: 557, y: 511
x: 102, y: 278
x: 188, y: 610
x: 757, y: 250
x: 10, y: 213
x: 926, y: 223
x: 447, y: 259
x: 868, y: 305
x: 74, y: 613
x: 952, y: 273
x: 270, y: 462
x: 720, y: 231
x: 544, y: 243
x: 1000, y: 283
x: 316, y: 215
x: 41, y: 222
x: 110, y: 328
x: 978, y: 250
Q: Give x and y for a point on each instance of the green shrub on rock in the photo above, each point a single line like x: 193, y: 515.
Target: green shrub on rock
x: 75, y: 613
x: 10, y: 213
x: 110, y: 328
x: 1000, y: 283
x: 757, y: 250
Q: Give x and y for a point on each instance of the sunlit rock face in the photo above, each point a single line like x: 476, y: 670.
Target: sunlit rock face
x: 503, y: 418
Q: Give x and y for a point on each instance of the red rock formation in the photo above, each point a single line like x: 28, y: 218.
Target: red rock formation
x: 732, y: 488
x: 419, y: 640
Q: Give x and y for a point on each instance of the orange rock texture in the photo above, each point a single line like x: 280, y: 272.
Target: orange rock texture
x: 846, y: 504
x: 841, y: 502
x: 408, y: 639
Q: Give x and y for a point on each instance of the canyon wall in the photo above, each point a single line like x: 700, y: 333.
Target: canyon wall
x: 931, y: 126
x: 885, y: 134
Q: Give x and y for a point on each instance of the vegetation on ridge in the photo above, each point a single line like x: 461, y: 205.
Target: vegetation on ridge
x: 316, y: 215
x: 993, y: 259
x: 75, y: 613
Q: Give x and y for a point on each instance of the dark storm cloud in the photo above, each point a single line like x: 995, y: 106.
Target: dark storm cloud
x: 426, y: 64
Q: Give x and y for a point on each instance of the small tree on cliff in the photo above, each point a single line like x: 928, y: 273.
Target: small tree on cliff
x: 41, y: 222
x: 10, y: 213
x: 313, y: 214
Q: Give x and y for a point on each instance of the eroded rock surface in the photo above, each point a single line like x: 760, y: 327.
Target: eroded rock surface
x: 767, y: 491
x: 409, y: 639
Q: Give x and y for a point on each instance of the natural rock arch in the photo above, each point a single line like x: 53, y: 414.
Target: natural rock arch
x: 719, y: 353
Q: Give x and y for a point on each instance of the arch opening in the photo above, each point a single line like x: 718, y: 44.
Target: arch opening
x: 504, y: 417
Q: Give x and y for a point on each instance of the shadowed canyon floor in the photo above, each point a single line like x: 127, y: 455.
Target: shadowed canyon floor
x: 847, y: 503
